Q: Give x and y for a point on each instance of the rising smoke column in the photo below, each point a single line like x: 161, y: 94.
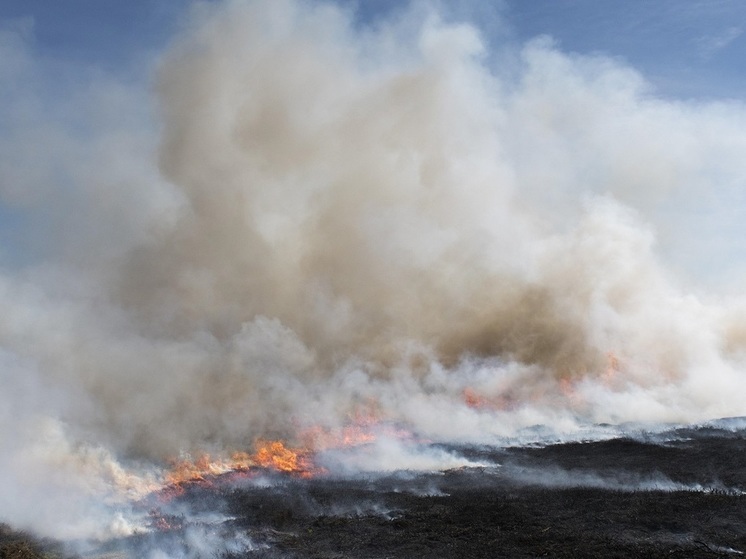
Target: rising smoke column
x: 335, y: 217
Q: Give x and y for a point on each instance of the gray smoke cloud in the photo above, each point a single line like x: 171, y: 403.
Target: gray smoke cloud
x: 326, y: 217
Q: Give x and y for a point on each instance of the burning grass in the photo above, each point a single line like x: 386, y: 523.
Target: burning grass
x: 276, y: 455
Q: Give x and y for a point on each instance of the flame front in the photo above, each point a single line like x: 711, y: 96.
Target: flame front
x: 271, y: 455
x: 275, y: 455
x: 268, y: 455
x: 278, y: 456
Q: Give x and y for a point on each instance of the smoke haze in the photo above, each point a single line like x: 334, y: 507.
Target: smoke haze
x: 325, y: 217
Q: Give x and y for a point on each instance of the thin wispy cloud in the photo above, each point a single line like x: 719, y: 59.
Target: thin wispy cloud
x: 709, y: 45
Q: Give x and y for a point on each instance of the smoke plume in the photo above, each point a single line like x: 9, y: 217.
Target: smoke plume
x: 325, y: 217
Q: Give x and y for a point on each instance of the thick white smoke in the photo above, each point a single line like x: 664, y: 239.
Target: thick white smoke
x: 336, y: 217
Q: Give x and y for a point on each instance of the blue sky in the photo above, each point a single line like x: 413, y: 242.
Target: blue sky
x: 101, y: 32
x: 686, y: 48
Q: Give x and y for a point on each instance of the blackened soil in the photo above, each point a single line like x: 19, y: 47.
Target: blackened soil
x: 679, y: 494
x: 675, y: 496
x: 497, y: 522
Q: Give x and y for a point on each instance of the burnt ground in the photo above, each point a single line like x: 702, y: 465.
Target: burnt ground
x: 675, y: 495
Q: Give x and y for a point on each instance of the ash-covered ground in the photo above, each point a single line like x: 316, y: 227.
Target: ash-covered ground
x: 674, y: 493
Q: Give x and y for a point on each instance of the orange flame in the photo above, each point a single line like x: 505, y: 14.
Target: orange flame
x: 197, y: 470
x: 321, y: 438
x: 271, y: 455
x: 612, y: 374
x: 164, y: 522
x: 567, y: 388
x: 476, y: 401
x: 276, y: 455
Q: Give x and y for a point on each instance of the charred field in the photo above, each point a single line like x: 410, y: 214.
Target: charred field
x: 678, y: 493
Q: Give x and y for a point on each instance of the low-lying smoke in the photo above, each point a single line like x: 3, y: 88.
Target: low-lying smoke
x: 338, y: 217
x: 614, y: 481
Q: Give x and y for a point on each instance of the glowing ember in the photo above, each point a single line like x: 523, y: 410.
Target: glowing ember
x: 165, y: 522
